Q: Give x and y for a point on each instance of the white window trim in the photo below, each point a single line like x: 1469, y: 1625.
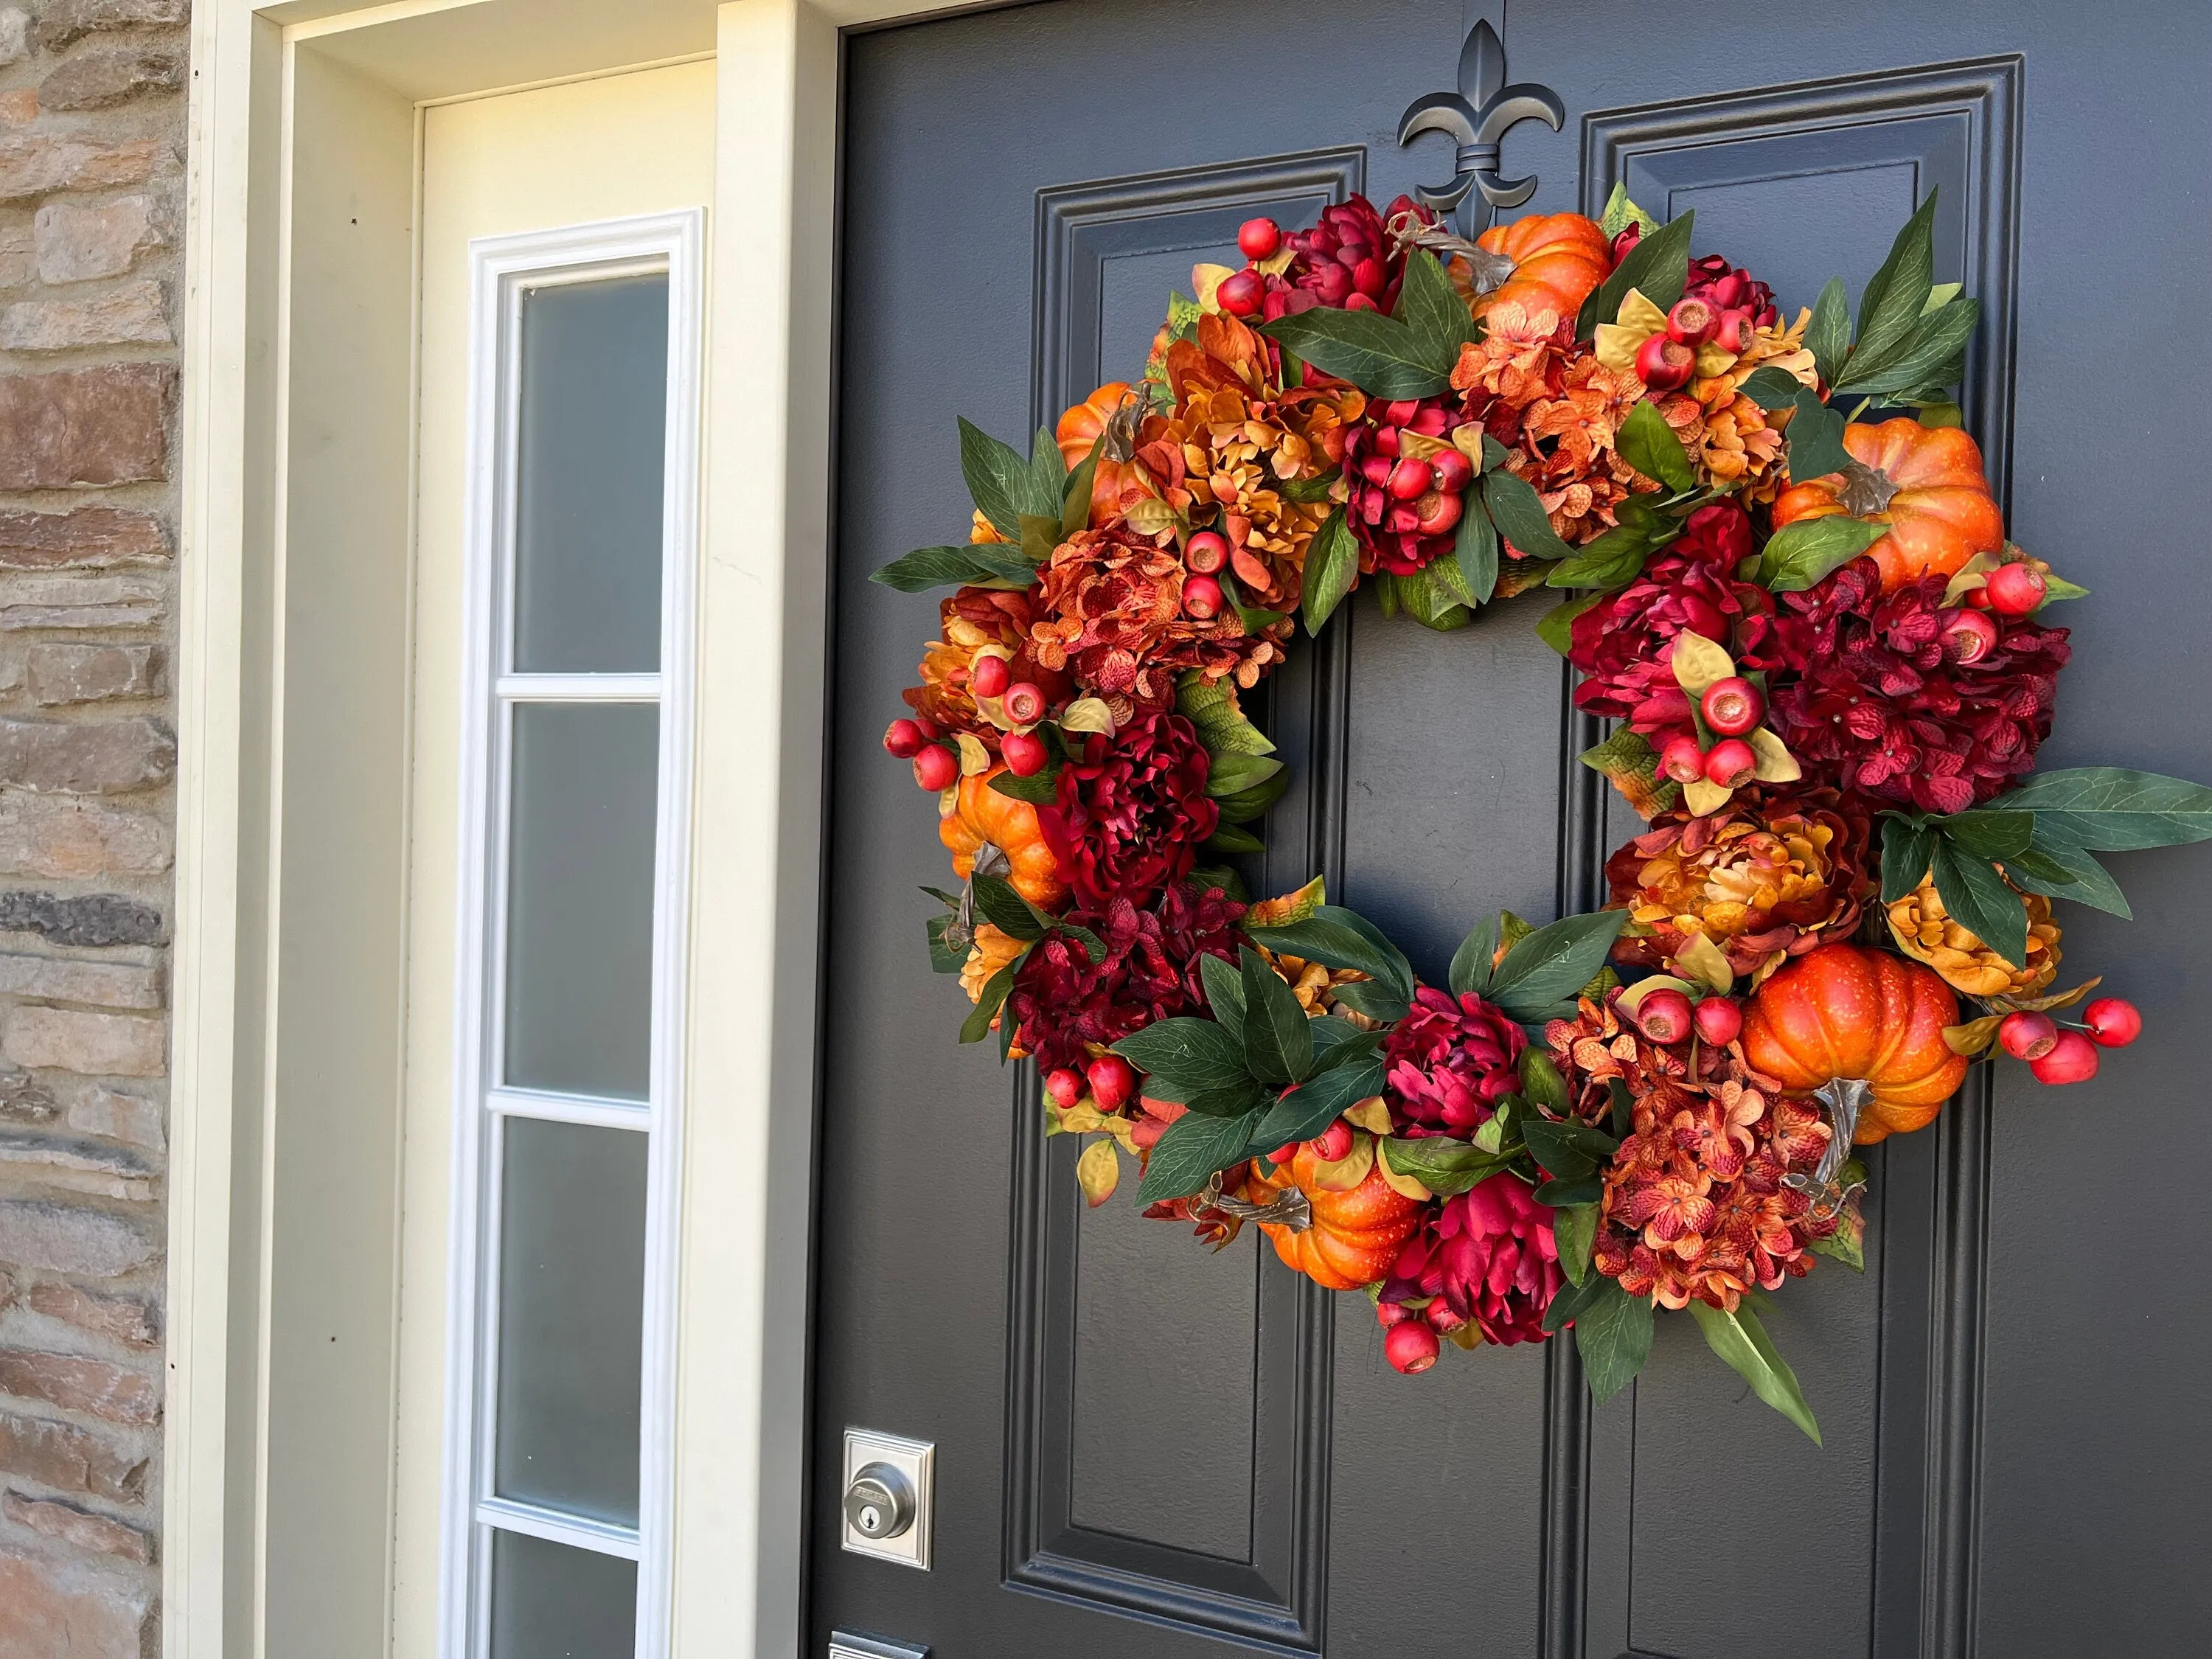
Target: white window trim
x: 501, y: 269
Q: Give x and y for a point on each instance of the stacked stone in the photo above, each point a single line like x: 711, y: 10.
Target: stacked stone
x: 91, y: 196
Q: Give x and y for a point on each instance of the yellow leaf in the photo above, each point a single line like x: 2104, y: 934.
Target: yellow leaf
x: 1633, y: 998
x: 1404, y: 1185
x: 1468, y: 440
x: 1098, y: 1171
x: 1699, y: 663
x: 1081, y: 1119
x: 1703, y: 960
x: 1349, y: 1170
x: 948, y: 800
x: 1088, y: 714
x: 1617, y: 341
x: 1206, y: 283
x: 1974, y: 1036
x: 1420, y: 446
x: 1974, y: 574
x: 1278, y: 262
x: 1370, y: 1114
x: 974, y: 757
x: 1703, y: 796
x: 1713, y: 358
x: 1150, y: 516
x: 1776, y: 763
x: 1467, y: 1336
x: 1289, y: 908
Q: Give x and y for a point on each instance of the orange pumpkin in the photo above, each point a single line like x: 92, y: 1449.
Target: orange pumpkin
x: 1841, y: 1011
x: 980, y: 814
x: 1558, y: 259
x: 1928, y: 488
x: 1352, y: 1238
x: 1078, y: 429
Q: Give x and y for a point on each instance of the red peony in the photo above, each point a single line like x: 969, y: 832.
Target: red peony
x: 1389, y: 529
x: 1449, y: 1062
x: 1348, y: 252
x: 1066, y: 1006
x: 1131, y: 811
x: 1877, y: 704
x: 1624, y: 643
x: 1489, y: 1254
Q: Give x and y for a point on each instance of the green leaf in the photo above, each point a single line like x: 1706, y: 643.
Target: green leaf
x: 1040, y: 789
x: 2056, y: 588
x: 977, y: 1025
x: 1332, y: 566
x: 1553, y: 964
x: 1621, y: 213
x: 1541, y: 1083
x: 985, y: 564
x: 1243, y: 1097
x: 1229, y: 839
x: 1249, y: 806
x: 1802, y: 553
x: 1612, y: 1336
x: 1302, y: 1113
x: 1659, y: 265
x: 944, y: 957
x: 1336, y: 1041
x: 1040, y: 535
x: 1075, y: 501
x: 1828, y: 334
x: 1376, y: 1001
x: 1922, y: 362
x: 1476, y: 552
x: 1445, y: 1167
x: 1556, y: 626
x: 1211, y: 705
x: 1338, y: 937
x: 1565, y: 1195
x: 1907, y: 848
x: 1381, y: 355
x: 1742, y: 1341
x: 1573, y: 1300
x: 1520, y: 516
x: 1990, y: 835
x: 1493, y: 454
x: 1188, y: 1055
x: 1604, y: 562
x: 1000, y: 482
x: 1049, y: 475
x: 1309, y: 490
x: 1816, y: 438
x: 1431, y: 307
x: 1224, y: 991
x: 1470, y: 964
x: 2113, y: 809
x: 1978, y: 901
x: 2089, y: 882
x: 1233, y: 773
x: 1647, y: 443
x: 1277, y: 1046
x: 1005, y: 909
x: 1895, y: 296
x: 1432, y: 596
x: 1770, y: 388
x: 1565, y: 1148
x: 1575, y: 1229
x: 1194, y: 1146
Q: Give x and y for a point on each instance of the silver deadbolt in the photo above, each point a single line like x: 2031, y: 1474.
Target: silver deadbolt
x: 879, y: 1502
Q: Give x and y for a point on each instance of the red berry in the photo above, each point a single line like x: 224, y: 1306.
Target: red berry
x: 1664, y: 364
x: 989, y: 676
x: 1242, y: 293
x: 2072, y: 1059
x: 1436, y: 512
x: 1202, y: 598
x: 1205, y: 552
x: 1025, y: 753
x: 1113, y: 1080
x: 1410, y: 1347
x: 1968, y: 635
x: 1411, y: 478
x: 1734, y: 332
x: 1692, y: 322
x: 2016, y: 589
x: 1733, y: 707
x: 1022, y: 703
x: 1332, y: 1143
x: 1258, y: 238
x: 1664, y: 1016
x: 2028, y: 1036
x: 1454, y: 472
x: 1442, y: 1319
x: 1718, y: 1020
x: 1282, y: 1154
x: 1731, y: 764
x: 1682, y: 760
x: 936, y: 768
x: 1976, y: 596
x: 1388, y: 1314
x: 904, y: 738
x: 1065, y: 1086
x: 2113, y: 1021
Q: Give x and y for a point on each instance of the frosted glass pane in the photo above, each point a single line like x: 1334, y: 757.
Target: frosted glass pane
x: 589, y: 465
x: 549, y: 1602
x: 571, y: 1316
x: 580, y: 897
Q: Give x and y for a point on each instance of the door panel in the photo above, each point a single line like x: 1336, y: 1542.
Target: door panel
x: 1127, y: 1424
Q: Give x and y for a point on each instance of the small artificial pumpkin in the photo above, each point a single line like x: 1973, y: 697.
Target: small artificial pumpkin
x: 1117, y: 472
x: 1351, y: 1238
x: 979, y: 815
x: 1925, y: 482
x: 1844, y: 1013
x: 1558, y: 259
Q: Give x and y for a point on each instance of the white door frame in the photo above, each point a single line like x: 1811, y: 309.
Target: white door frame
x: 295, y: 475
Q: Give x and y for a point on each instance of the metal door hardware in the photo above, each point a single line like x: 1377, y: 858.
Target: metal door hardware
x: 843, y: 1644
x: 889, y: 1487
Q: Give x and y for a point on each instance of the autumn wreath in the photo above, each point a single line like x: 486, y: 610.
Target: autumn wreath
x: 1828, y: 671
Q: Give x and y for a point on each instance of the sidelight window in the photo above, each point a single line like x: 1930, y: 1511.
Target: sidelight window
x: 582, y: 488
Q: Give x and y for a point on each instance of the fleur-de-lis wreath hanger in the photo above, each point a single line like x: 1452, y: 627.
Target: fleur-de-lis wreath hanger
x: 1477, y: 116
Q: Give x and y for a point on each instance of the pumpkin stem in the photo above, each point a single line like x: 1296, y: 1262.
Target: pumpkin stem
x: 1489, y: 269
x: 1867, y: 490
x: 1845, y: 1097
x: 1291, y: 1209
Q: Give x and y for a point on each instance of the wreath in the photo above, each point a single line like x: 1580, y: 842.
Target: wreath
x: 1787, y: 585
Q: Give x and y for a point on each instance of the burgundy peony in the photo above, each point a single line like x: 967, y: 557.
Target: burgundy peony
x: 1131, y: 811
x: 1065, y: 1004
x: 1715, y: 281
x: 1348, y: 252
x: 1877, y: 704
x: 1624, y: 643
x: 1489, y: 1254
x: 1449, y: 1062
x: 1388, y: 530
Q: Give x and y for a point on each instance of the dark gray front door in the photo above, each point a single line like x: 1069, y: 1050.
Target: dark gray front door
x: 1145, y: 1450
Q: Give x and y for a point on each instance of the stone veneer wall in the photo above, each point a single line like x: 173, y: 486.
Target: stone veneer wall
x: 92, y: 127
